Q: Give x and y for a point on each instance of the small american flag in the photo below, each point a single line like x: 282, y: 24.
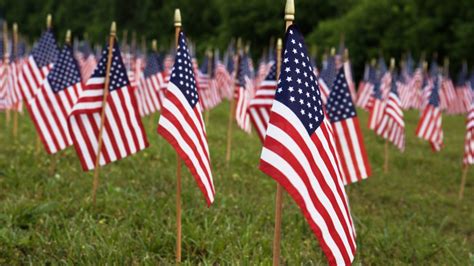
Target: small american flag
x: 429, y: 126
x: 260, y: 105
x: 375, y: 106
x: 345, y: 123
x: 123, y: 132
x: 299, y: 152
x: 149, y: 85
x: 469, y: 139
x: 181, y: 122
x: 392, y: 126
x: 39, y: 63
x: 242, y: 95
x: 54, y: 101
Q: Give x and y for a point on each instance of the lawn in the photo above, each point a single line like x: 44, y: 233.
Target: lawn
x: 411, y: 215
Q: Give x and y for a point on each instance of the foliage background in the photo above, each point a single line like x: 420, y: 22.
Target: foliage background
x: 391, y: 27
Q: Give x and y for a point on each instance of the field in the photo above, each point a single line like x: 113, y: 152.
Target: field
x: 411, y: 215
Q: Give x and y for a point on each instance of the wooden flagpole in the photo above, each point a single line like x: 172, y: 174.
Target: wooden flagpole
x: 95, y: 185
x: 232, y: 106
x: 385, y: 163
x: 177, y: 27
x: 5, y: 52
x: 15, y: 54
x: 289, y: 18
x: 49, y: 25
x: 463, y: 181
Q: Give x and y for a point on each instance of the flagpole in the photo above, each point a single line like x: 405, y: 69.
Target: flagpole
x: 232, y: 106
x: 49, y: 25
x: 95, y: 185
x: 14, y: 53
x: 5, y: 52
x: 463, y: 181
x: 289, y: 18
x: 177, y: 27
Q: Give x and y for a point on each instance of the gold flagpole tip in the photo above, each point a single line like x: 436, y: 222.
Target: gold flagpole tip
x: 239, y: 44
x: 113, y: 29
x: 279, y: 44
x: 425, y: 65
x: 346, y: 54
x: 392, y: 63
x: 49, y: 21
x: 5, y: 27
x: 68, y: 36
x: 333, y: 51
x: 177, y: 17
x: 15, y: 28
x: 154, y: 45
x: 373, y: 62
x: 290, y: 10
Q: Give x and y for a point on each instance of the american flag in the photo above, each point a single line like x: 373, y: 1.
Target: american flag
x: 86, y: 59
x: 299, y: 152
x: 429, y: 126
x: 392, y: 125
x: 39, y: 63
x: 5, y: 97
x: 469, y: 139
x: 54, y: 100
x: 260, y: 105
x: 375, y: 106
x: 123, y: 132
x: 181, y: 122
x: 149, y: 85
x: 242, y: 94
x: 367, y: 88
x: 345, y: 124
x: 326, y: 79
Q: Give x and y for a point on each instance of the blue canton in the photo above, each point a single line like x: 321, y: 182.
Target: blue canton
x: 152, y: 65
x: 340, y: 106
x: 298, y: 88
x: 434, y: 97
x: 65, y: 72
x: 118, y: 73
x: 272, y: 73
x: 45, y: 51
x: 182, y: 74
x: 243, y: 70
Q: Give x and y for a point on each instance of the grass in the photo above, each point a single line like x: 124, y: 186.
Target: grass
x: 409, y: 216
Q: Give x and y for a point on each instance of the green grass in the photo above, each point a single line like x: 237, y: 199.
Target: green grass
x: 409, y: 216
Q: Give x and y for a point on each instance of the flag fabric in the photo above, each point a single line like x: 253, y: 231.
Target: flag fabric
x: 5, y: 96
x: 392, y: 125
x: 39, y: 63
x: 429, y: 126
x: 299, y: 153
x: 242, y: 94
x: 260, y: 105
x: 149, y: 85
x: 181, y: 122
x: 375, y: 106
x: 345, y: 124
x: 123, y: 132
x: 469, y: 138
x: 54, y: 100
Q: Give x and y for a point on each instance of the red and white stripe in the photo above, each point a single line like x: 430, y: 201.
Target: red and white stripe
x: 5, y: 99
x: 350, y: 80
x: 375, y: 112
x: 308, y: 168
x: 260, y: 105
x: 123, y: 132
x: 392, y: 125
x: 242, y: 98
x: 324, y: 89
x: 183, y: 127
x: 49, y: 112
x: 429, y: 127
x: 365, y: 92
x: 469, y: 139
x: 31, y: 77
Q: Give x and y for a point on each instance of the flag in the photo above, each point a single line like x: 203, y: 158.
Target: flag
x: 299, y: 153
x: 260, y: 105
x: 429, y: 126
x: 5, y: 97
x: 181, y: 122
x: 392, y: 125
x: 54, y: 101
x: 375, y: 106
x: 242, y: 94
x: 149, y: 85
x: 345, y: 124
x: 469, y: 138
x: 37, y: 66
x: 123, y: 132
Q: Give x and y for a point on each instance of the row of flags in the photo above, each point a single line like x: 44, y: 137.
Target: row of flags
x: 306, y: 118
